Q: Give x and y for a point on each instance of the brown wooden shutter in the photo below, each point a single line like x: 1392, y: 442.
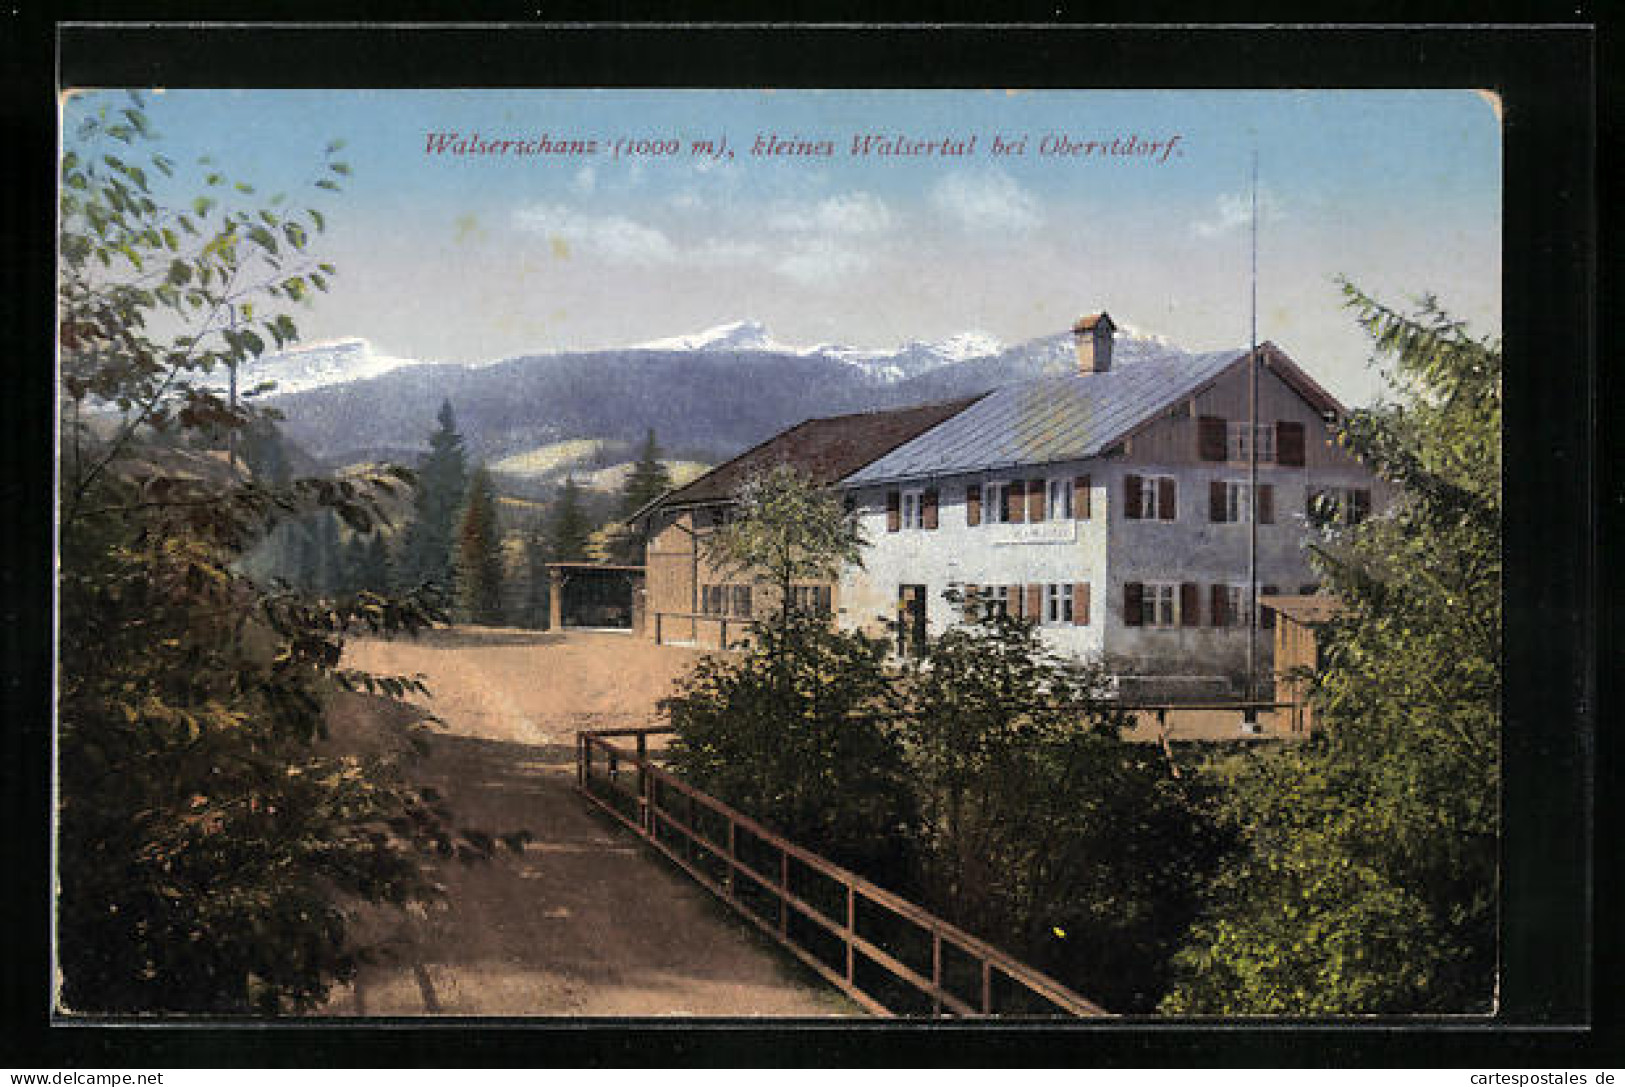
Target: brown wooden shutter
x: 1289, y: 444
x: 1035, y: 603
x: 1133, y: 604
x: 1080, y: 604
x: 1190, y: 604
x: 928, y: 508
x: 1266, y: 503
x: 1266, y: 616
x: 1035, y: 500
x: 1080, y: 498
x: 973, y: 505
x: 968, y: 605
x: 1212, y: 437
x: 1167, y: 499
x: 1131, y: 496
x: 1015, y: 503
x: 1215, y: 501
x: 894, y: 511
x: 1012, y: 600
x: 1219, y: 597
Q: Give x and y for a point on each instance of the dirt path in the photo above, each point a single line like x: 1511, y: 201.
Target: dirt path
x: 586, y: 921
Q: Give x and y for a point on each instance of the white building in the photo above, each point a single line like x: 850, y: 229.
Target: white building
x: 1110, y: 505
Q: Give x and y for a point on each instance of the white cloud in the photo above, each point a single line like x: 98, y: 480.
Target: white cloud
x: 987, y: 201
x: 614, y: 238
x: 820, y: 262
x: 1235, y: 210
x: 845, y: 213
x: 724, y: 251
x: 586, y: 180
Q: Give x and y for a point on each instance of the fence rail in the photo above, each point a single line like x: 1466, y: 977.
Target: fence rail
x: 889, y: 954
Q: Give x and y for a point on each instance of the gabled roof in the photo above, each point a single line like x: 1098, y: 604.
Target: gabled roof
x: 825, y: 450
x: 1070, y: 417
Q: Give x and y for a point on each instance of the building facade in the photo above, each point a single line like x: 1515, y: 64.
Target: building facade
x: 1111, y: 506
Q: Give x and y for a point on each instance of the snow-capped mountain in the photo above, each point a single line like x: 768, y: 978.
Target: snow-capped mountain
x: 885, y: 364
x: 311, y: 366
x: 708, y: 394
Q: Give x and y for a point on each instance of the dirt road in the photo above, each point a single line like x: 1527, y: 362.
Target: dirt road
x: 585, y: 922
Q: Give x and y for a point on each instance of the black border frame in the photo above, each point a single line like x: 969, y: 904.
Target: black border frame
x: 1547, y: 76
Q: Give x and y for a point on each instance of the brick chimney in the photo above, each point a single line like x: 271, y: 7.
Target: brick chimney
x: 1094, y: 336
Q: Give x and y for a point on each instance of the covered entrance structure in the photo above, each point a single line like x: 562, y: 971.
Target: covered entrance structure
x: 594, y: 595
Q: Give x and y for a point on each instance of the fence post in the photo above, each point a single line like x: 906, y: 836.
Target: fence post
x: 643, y: 769
x: 646, y: 789
x: 987, y: 987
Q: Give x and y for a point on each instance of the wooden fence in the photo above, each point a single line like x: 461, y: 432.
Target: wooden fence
x: 886, y: 953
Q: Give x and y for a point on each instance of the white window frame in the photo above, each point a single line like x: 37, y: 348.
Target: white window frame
x: 1058, y: 604
x: 1236, y: 442
x: 913, y: 510
x: 1238, y: 501
x: 1159, y: 599
x: 995, y: 502
x: 1150, y: 488
x: 1058, y: 499
x: 1235, y: 605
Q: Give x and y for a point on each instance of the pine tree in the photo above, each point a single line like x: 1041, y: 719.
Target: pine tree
x: 570, y: 530
x: 648, y: 480
x: 479, y: 554
x: 427, y: 551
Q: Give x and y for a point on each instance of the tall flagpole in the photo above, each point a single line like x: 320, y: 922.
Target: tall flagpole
x: 1252, y: 460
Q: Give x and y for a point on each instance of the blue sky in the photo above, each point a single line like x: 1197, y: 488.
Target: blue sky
x: 474, y: 257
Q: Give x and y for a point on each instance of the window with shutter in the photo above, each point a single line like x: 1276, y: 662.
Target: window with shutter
x: 973, y: 505
x: 928, y: 518
x: 1359, y: 505
x: 1035, y: 603
x: 1167, y: 503
x: 1035, y: 500
x: 1219, y: 606
x: 1266, y: 616
x: 1133, y: 604
x: 1131, y: 497
x: 1212, y: 436
x: 1190, y: 606
x: 894, y: 511
x: 1266, y: 503
x: 1080, y: 604
x: 1015, y: 502
x: 1012, y: 600
x: 1080, y: 498
x: 1217, y: 501
x: 1289, y: 444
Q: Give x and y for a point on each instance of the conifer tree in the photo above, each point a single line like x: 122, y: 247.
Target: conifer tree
x: 570, y: 530
x: 479, y: 554
x: 427, y: 551
x: 648, y: 480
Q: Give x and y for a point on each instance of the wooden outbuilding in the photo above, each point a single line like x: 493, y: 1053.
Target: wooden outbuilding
x: 595, y: 595
x: 1298, y: 649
